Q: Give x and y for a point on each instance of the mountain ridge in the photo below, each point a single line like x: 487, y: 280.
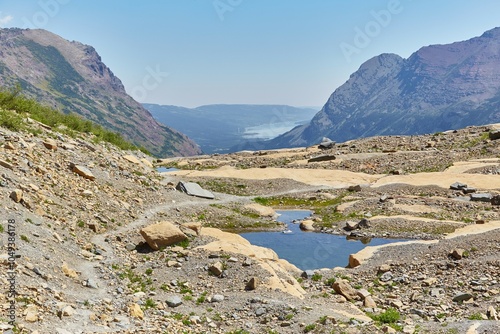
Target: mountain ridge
x: 224, y: 128
x: 70, y: 76
x: 439, y: 87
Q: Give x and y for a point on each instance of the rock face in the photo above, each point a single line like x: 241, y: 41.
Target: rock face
x: 162, y: 234
x: 437, y: 88
x: 76, y: 80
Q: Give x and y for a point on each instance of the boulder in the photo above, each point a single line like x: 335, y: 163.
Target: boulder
x: 132, y: 159
x: 495, y: 200
x: 364, y: 223
x: 252, y: 283
x: 342, y: 287
x: 173, y: 301
x: 16, y: 195
x: 162, y: 234
x: 457, y: 253
x: 194, y: 226
x: 83, y: 172
x: 307, y: 225
x: 482, y: 197
x: 462, y: 296
x: 68, y: 271
x: 354, y: 261
x: 50, y: 144
x: 323, y: 157
x: 494, y: 135
x: 458, y: 186
x: 136, y: 311
x: 261, y: 210
x: 350, y: 226
x: 216, y: 269
x: 326, y: 143
x: 6, y: 164
x: 194, y: 189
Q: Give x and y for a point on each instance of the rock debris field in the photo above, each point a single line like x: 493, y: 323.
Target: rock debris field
x: 106, y: 244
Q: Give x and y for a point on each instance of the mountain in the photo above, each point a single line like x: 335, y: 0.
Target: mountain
x: 437, y: 88
x: 71, y: 77
x: 225, y: 128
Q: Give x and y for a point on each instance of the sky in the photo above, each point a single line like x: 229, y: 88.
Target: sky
x: 296, y: 52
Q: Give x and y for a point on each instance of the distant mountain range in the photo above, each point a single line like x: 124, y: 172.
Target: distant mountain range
x: 71, y: 77
x: 225, y: 128
x: 437, y: 88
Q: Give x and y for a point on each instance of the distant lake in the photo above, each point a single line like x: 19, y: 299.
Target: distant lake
x: 270, y: 130
x: 310, y: 250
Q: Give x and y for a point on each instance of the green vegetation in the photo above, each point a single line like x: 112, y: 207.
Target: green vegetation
x: 309, y: 328
x: 15, y: 108
x: 316, y: 277
x: 184, y: 243
x: 24, y: 238
x: 150, y: 303
x: 390, y: 316
x: 1, y: 229
x: 475, y: 316
x: 201, y: 299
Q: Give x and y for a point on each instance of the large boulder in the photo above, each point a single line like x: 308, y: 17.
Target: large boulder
x: 162, y: 234
x: 342, y: 287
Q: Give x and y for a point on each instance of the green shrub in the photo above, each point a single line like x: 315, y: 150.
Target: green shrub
x: 390, y: 316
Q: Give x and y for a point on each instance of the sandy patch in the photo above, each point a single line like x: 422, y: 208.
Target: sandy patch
x: 417, y: 208
x: 369, y: 251
x: 279, y: 269
x: 463, y: 166
x: 444, y: 180
x: 332, y: 178
x: 417, y: 219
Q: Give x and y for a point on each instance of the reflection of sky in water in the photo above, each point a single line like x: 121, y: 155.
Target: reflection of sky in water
x: 269, y: 131
x: 165, y: 169
x: 309, y: 250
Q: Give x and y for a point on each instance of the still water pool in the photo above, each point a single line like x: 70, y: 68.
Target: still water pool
x: 165, y: 169
x: 310, y: 250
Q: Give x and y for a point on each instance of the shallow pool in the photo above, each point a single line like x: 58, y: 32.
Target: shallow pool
x: 165, y: 169
x: 310, y: 250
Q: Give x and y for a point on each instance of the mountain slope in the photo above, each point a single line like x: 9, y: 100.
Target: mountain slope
x: 224, y: 128
x: 437, y: 88
x: 71, y: 77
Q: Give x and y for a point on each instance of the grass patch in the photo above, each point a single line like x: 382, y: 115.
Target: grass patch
x: 390, y: 316
x: 15, y: 108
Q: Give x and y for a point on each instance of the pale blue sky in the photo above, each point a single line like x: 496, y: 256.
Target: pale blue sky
x: 294, y: 52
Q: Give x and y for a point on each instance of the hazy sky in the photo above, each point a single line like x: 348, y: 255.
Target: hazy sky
x: 296, y: 52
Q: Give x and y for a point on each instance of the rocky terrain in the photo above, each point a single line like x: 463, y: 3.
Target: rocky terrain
x: 106, y: 244
x: 71, y: 77
x: 439, y: 87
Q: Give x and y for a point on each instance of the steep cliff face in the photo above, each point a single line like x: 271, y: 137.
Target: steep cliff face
x: 70, y: 76
x: 437, y: 88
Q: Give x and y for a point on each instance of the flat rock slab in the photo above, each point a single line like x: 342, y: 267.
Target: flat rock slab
x: 83, y: 172
x: 194, y: 189
x: 323, y: 157
x: 485, y: 197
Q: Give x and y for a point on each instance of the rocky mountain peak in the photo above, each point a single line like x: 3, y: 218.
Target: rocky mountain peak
x: 437, y: 88
x: 71, y: 77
